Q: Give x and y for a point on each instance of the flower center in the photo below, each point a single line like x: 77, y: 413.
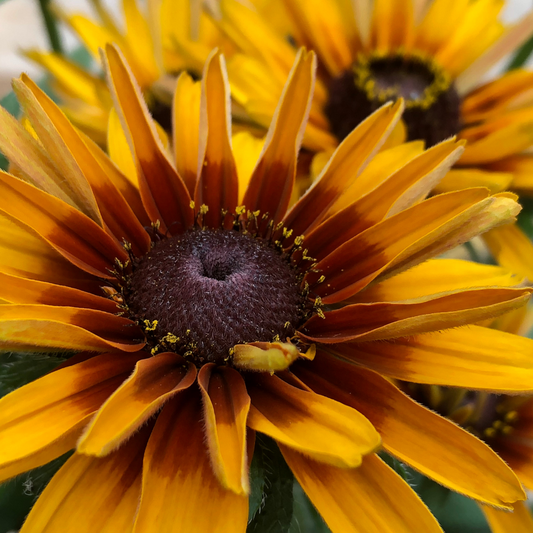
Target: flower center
x: 202, y: 292
x: 432, y: 105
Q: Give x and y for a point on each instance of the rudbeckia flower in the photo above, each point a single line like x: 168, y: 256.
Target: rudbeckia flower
x: 432, y: 54
x: 202, y: 309
x: 150, y: 41
x: 504, y: 422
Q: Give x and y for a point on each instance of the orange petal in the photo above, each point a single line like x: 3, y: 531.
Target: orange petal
x: 348, y: 161
x: 69, y: 231
x: 226, y: 405
x: 270, y: 187
x: 217, y: 185
x: 426, y: 441
x: 154, y: 381
x: 109, y: 488
x: 264, y: 356
x: 27, y: 291
x: 379, y: 321
x: 38, y: 415
x: 34, y: 327
x: 164, y: 194
x: 186, y: 128
x: 56, y: 147
x: 180, y: 491
x: 315, y: 425
x: 114, y: 210
x: 471, y: 357
x: 517, y: 521
x: 368, y: 499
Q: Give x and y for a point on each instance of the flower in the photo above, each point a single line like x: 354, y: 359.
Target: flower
x: 150, y: 41
x: 433, y: 54
x: 504, y: 422
x: 201, y: 312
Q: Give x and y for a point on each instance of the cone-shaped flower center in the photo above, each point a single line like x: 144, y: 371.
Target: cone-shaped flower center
x: 432, y: 103
x: 202, y: 292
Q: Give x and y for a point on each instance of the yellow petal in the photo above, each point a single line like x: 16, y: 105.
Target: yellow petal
x: 264, y: 356
x: 246, y: 150
x: 517, y: 521
x: 368, y: 499
x: 315, y: 425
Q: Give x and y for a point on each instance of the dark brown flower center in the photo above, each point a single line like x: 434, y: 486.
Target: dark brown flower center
x: 202, y: 292
x: 432, y: 105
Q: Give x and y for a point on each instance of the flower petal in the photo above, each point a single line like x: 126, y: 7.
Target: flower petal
x: 186, y: 110
x: 408, y: 238
x: 437, y: 276
x: 315, y: 425
x: 164, y: 194
x: 464, y: 178
x: 270, y: 187
x: 180, y: 491
x: 226, y: 405
x: 34, y: 327
x: 154, y: 381
x: 264, y: 356
x: 347, y: 162
x: 217, y: 185
x: 426, y: 441
x: 55, y: 145
x: 368, y: 499
x: 379, y: 321
x: 69, y: 231
x: 90, y: 494
x: 512, y: 248
x: 517, y: 521
x: 472, y: 357
x: 55, y: 406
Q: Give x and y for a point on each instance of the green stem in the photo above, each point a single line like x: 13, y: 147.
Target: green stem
x: 51, y: 26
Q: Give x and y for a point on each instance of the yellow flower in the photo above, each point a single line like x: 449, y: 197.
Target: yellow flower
x: 201, y: 313
x: 504, y: 422
x: 433, y: 54
x: 150, y: 41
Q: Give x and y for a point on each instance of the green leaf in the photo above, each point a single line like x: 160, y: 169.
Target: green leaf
x: 274, y: 514
x: 18, y: 495
x: 19, y: 368
x: 306, y: 518
x: 522, y: 55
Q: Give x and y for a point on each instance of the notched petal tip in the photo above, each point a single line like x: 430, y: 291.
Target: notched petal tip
x: 267, y: 356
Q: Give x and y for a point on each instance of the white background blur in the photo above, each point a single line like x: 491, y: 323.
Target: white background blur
x: 21, y: 27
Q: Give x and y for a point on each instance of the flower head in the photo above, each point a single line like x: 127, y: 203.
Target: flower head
x: 202, y: 311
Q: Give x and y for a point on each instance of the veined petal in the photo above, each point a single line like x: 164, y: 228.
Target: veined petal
x: 512, y: 249
x: 437, y: 276
x: 368, y: 499
x: 57, y: 404
x: 33, y: 327
x: 217, y: 185
x: 226, y: 405
x: 114, y: 210
x: 379, y: 321
x: 24, y: 253
x: 404, y: 239
x: 519, y: 520
x: 321, y: 428
x: 426, y: 441
x: 109, y: 488
x: 55, y: 144
x: 154, y: 381
x: 471, y: 357
x: 392, y: 25
x: 186, y: 111
x: 347, y: 162
x: 180, y: 491
x: 270, y: 187
x: 464, y: 178
x: 78, y: 238
x: 164, y: 194
x: 27, y: 291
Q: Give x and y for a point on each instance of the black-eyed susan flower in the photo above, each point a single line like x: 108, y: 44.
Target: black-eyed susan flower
x: 432, y: 54
x: 150, y: 39
x: 203, y: 312
x: 504, y: 422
